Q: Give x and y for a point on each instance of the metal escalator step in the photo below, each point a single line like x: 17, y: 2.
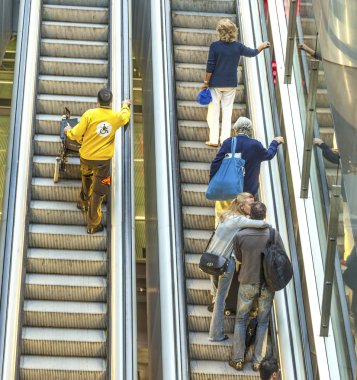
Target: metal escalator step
x: 198, y: 291
x: 83, y: 67
x: 63, y: 342
x: 49, y: 124
x: 213, y: 369
x: 194, y: 172
x: 195, y: 241
x: 214, y: 6
x: 48, y: 145
x: 74, y: 31
x: 65, y: 190
x: 195, y: 72
x: 53, y: 104
x: 193, y: 130
x: 65, y: 287
x: 196, y: 151
x: 44, y: 166
x: 199, y: 20
x: 324, y: 117
x: 306, y: 10
x: 202, y: 349
x: 69, y: 262
x: 322, y: 100
x: 89, y: 3
x: 82, y: 315
x: 65, y: 237
x: 326, y: 134
x: 194, y: 37
x: 192, y: 269
x: 190, y: 90
x: 65, y: 85
x: 190, y: 54
x: 310, y: 40
x: 198, y: 217
x: 195, y: 195
x: 60, y: 212
x: 71, y: 13
x: 199, y: 319
x: 61, y: 368
x: 321, y: 79
x: 191, y: 110
x: 74, y: 48
x: 308, y: 25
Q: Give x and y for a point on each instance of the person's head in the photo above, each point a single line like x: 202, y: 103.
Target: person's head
x: 269, y: 369
x: 105, y: 97
x: 258, y: 211
x: 227, y: 30
x: 239, y: 206
x: 243, y: 125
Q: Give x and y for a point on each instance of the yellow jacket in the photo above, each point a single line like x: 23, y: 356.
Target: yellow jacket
x: 96, y: 131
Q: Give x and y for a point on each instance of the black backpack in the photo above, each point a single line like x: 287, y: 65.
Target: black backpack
x: 277, y: 269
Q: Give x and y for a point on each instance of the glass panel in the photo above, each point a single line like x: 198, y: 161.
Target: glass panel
x: 6, y: 82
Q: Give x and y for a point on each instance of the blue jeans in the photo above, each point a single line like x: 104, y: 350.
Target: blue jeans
x: 224, y: 282
x: 246, y: 295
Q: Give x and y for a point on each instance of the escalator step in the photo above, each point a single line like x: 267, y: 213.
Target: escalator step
x: 63, y: 342
x: 76, y: 14
x: 199, y: 20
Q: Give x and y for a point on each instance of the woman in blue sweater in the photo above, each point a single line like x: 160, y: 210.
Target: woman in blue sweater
x: 221, y: 77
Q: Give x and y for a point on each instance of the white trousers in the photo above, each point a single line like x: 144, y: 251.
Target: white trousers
x: 220, y: 97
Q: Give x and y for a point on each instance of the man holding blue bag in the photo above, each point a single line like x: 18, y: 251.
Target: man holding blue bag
x: 248, y: 150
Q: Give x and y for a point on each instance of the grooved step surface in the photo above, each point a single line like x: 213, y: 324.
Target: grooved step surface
x: 213, y: 369
x: 75, y: 14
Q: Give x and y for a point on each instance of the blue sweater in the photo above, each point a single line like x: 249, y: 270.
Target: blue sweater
x: 223, y: 60
x: 253, y: 152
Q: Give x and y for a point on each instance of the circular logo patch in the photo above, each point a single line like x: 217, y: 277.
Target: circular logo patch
x: 104, y: 129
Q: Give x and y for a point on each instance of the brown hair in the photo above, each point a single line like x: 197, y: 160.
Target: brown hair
x: 236, y: 206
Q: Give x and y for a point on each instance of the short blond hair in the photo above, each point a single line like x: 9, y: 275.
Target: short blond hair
x: 227, y: 30
x: 236, y: 206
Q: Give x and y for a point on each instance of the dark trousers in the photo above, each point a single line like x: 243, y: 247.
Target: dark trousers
x: 95, y: 185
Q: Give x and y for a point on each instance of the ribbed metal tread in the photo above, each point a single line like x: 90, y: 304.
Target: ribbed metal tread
x: 63, y: 342
x: 65, y: 85
x: 65, y: 287
x: 50, y: 124
x: 195, y: 195
x: 44, y: 166
x: 74, y: 31
x: 190, y: 54
x: 61, y: 368
x: 192, y: 266
x: 76, y: 14
x: 53, y: 104
x: 199, y: 319
x: 218, y: 370
x: 65, y: 237
x: 201, y: 348
x: 190, y: 90
x: 196, y: 151
x: 65, y: 190
x: 195, y: 172
x: 198, y: 217
x: 193, y: 130
x: 201, y: 20
x: 194, y: 37
x: 67, y: 262
x: 198, y: 291
x: 89, y: 3
x: 55, y: 212
x: 74, y: 48
x: 65, y: 314
x: 221, y: 6
x: 191, y: 110
x: 74, y: 67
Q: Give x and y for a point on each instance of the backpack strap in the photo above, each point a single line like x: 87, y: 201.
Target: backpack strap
x: 209, y: 241
x: 271, y: 235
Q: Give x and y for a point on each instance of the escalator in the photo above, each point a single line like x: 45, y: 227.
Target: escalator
x: 193, y: 31
x: 65, y: 313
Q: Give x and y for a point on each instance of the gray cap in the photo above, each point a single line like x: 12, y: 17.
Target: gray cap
x: 243, y: 125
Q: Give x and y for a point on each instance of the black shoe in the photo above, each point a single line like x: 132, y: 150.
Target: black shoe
x: 210, y: 307
x: 96, y: 229
x: 81, y: 206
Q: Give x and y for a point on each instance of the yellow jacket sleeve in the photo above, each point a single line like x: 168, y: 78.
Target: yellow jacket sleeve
x: 77, y: 132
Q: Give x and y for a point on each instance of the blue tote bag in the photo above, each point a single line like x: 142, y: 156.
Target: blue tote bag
x: 228, y: 182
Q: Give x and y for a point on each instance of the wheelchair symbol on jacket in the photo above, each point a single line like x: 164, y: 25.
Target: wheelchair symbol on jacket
x: 104, y: 129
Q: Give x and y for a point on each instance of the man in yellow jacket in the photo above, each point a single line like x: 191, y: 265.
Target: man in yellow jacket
x: 96, y: 133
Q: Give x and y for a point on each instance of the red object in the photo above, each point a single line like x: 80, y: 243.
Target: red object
x: 274, y: 71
